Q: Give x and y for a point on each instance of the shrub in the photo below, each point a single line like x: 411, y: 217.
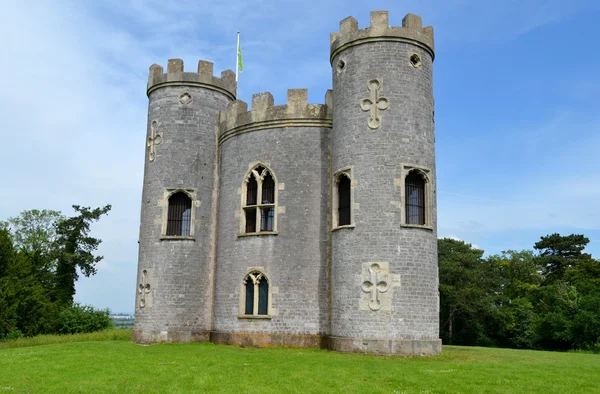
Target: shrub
x: 83, y: 318
x: 16, y: 334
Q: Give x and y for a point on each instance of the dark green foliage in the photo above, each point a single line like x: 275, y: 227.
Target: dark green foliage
x: 520, y: 299
x: 73, y: 249
x: 40, y: 252
x: 83, y: 318
x: 16, y: 334
x: 559, y: 253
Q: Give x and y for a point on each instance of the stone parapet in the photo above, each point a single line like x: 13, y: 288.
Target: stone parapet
x: 411, y: 32
x: 175, y: 76
x: 236, y: 119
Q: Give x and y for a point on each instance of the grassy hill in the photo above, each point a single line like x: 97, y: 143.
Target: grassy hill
x: 118, y: 366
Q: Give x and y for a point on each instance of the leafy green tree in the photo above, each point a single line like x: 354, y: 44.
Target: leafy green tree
x: 35, y: 230
x: 585, y: 329
x: 8, y: 313
x: 558, y: 253
x: 74, y: 249
x: 25, y: 304
x: 556, y: 307
x: 465, y: 282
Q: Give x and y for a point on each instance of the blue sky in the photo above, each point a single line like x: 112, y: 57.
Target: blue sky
x: 517, y: 91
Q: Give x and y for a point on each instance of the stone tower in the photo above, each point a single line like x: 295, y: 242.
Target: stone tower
x: 299, y: 224
x: 383, y: 145
x: 176, y: 257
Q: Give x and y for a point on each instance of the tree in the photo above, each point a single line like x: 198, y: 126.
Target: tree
x: 73, y: 250
x: 35, y: 230
x: 520, y: 272
x: 559, y: 253
x: 463, y: 290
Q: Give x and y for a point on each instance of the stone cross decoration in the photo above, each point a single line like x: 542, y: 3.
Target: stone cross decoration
x: 374, y: 104
x: 143, y: 288
x: 375, y: 284
x: 154, y: 139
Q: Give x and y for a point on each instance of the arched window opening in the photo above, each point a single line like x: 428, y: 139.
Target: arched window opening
x: 267, y: 211
x: 415, y: 198
x: 251, y: 200
x: 259, y: 208
x: 344, y: 201
x: 179, y: 216
x: 257, y: 294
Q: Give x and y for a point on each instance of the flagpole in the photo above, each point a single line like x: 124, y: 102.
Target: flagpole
x: 237, y: 56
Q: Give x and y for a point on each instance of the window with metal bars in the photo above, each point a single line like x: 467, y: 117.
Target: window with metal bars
x: 257, y: 294
x: 415, y: 198
x: 344, y: 201
x: 179, y: 215
x: 259, y: 208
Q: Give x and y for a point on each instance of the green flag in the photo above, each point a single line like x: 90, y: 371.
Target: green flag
x: 239, y: 56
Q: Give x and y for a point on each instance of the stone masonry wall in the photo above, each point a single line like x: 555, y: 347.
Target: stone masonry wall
x: 376, y: 157
x: 295, y: 260
x: 178, y: 304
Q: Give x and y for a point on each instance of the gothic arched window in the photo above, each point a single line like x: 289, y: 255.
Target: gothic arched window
x: 179, y: 216
x: 259, y: 201
x: 414, y: 198
x: 256, y: 294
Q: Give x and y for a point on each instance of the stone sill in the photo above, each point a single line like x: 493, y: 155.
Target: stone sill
x: 176, y: 238
x: 424, y: 227
x: 343, y: 227
x: 268, y: 317
x: 258, y: 234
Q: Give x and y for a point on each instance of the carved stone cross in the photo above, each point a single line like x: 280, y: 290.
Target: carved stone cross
x: 143, y: 288
x: 374, y: 104
x: 154, y: 139
x: 375, y: 284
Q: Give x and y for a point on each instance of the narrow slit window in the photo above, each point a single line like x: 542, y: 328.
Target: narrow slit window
x: 250, y: 220
x: 268, y: 190
x: 252, y: 190
x: 179, y: 215
x: 344, y: 201
x: 263, y: 296
x: 415, y: 198
x: 249, y: 307
x: 267, y: 216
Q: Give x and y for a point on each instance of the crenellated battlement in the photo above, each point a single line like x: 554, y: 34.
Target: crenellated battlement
x: 236, y: 119
x: 203, y: 78
x: 412, y: 31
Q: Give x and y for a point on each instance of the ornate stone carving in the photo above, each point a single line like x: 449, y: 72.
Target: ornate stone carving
x: 144, y: 288
x: 375, y: 284
x: 154, y: 139
x: 185, y: 98
x: 374, y: 103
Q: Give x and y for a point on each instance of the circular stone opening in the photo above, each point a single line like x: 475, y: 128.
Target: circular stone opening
x: 340, y: 66
x: 415, y: 60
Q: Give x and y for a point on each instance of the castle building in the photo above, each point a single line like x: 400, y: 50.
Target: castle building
x: 309, y: 225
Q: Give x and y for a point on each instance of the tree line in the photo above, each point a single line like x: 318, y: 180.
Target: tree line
x: 42, y: 254
x: 546, y: 298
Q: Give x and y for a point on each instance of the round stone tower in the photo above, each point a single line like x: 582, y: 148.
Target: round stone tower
x: 384, y: 296
x: 177, y: 233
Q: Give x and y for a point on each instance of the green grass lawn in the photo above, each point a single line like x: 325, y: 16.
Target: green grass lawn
x: 119, y: 366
